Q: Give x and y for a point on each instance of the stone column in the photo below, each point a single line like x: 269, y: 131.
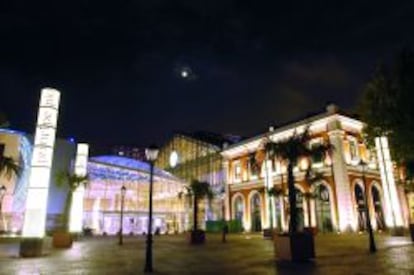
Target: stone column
x: 342, y: 184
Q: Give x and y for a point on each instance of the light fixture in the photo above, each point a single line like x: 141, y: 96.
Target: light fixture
x: 151, y: 153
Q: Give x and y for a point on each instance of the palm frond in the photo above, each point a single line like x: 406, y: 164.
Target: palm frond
x: 72, y: 181
x: 201, y: 189
x: 9, y: 167
x: 312, y: 176
x: 275, y: 191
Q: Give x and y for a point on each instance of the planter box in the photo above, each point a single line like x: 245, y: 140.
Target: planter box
x: 31, y: 247
x: 311, y: 230
x: 196, y: 237
x: 294, y: 247
x: 62, y: 240
x: 412, y: 231
x: 268, y: 233
x: 397, y: 231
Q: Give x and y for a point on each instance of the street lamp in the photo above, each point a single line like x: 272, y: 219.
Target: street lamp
x: 121, y: 225
x: 3, y: 190
x: 151, y: 153
x: 372, y: 247
x: 223, y: 219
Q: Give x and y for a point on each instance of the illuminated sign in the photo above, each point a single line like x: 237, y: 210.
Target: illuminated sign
x: 392, y: 204
x: 36, y: 202
x: 76, y: 211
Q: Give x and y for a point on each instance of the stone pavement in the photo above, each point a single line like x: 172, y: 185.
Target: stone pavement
x: 242, y: 254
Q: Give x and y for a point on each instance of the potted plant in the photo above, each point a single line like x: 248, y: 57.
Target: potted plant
x: 295, y: 245
x: 62, y: 237
x: 197, y: 191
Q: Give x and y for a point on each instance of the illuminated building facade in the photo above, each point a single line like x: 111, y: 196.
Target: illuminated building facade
x: 197, y: 156
x: 19, y: 146
x: 102, y: 200
x: 336, y: 202
x: 102, y: 195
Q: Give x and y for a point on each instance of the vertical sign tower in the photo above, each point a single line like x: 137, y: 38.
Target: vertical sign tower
x: 36, y: 202
x: 76, y: 211
x: 393, y: 217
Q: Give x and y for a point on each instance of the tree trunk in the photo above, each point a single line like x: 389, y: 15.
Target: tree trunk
x: 195, y: 214
x: 66, y: 211
x: 293, y: 221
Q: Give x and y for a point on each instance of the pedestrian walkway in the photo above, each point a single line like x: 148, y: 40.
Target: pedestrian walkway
x: 241, y: 254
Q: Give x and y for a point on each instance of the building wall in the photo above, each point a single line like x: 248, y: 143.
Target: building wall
x: 19, y: 146
x: 197, y: 160
x: 341, y: 171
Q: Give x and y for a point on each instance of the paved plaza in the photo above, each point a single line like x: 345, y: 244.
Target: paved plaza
x: 242, y: 254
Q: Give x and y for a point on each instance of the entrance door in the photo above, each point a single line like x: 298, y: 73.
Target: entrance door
x: 278, y: 212
x: 379, y: 214
x: 299, y: 207
x: 323, y: 209
x: 256, y: 219
x: 359, y: 197
x: 238, y: 209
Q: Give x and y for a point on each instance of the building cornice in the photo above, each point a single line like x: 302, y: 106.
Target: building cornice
x: 317, y: 124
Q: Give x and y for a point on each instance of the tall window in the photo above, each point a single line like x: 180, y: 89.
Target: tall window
x: 318, y: 158
x: 353, y: 149
x: 237, y: 171
x: 253, y: 166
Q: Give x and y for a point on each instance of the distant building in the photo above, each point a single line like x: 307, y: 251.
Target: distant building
x: 191, y: 156
x: 127, y: 151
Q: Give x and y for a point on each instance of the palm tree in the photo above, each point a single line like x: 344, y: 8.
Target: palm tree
x: 291, y: 150
x: 72, y: 182
x: 9, y: 167
x: 197, y: 191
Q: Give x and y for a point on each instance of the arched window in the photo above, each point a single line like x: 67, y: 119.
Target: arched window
x: 255, y: 207
x: 323, y: 209
x: 379, y: 214
x: 238, y: 208
x: 360, y: 205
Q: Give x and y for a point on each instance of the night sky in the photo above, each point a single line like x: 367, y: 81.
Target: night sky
x: 132, y: 72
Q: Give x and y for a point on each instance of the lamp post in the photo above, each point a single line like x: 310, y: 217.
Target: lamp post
x: 151, y: 153
x: 223, y: 219
x: 121, y: 225
x: 3, y: 190
x: 372, y: 246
